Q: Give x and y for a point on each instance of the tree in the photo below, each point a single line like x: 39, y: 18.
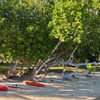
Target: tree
x: 24, y: 32
x: 77, y: 22
x: 42, y: 32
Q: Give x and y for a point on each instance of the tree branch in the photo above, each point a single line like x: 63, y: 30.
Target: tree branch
x: 79, y: 64
x: 48, y: 59
x: 71, y: 56
x: 12, y: 68
x: 56, y: 47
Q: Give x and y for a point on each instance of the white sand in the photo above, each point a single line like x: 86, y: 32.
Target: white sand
x: 68, y: 90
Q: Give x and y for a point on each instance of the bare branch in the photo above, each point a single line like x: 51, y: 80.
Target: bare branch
x: 71, y: 56
x: 79, y: 64
x: 20, y: 73
x: 56, y: 47
x: 35, y: 71
x: 54, y: 64
x: 63, y: 52
x: 12, y: 68
x: 46, y: 61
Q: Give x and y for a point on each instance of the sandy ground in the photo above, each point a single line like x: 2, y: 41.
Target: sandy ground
x: 68, y: 90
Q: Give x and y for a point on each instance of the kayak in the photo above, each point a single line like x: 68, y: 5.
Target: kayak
x: 66, y: 78
x: 3, y: 88
x: 44, y: 81
x: 33, y: 83
x: 59, y: 81
x: 11, y: 85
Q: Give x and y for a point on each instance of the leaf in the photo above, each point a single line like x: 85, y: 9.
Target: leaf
x: 89, y: 67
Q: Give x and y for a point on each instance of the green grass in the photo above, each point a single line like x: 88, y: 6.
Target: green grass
x: 68, y: 69
x: 3, y: 69
x: 98, y: 69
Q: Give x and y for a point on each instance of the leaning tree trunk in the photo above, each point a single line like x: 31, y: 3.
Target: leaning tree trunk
x: 20, y: 73
x: 38, y: 69
x: 70, y: 61
x: 12, y: 68
x: 35, y: 71
x: 29, y: 66
x: 57, y: 61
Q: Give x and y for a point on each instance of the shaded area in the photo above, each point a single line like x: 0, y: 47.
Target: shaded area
x: 77, y: 89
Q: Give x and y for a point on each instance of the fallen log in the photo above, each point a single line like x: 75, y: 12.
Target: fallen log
x: 79, y: 64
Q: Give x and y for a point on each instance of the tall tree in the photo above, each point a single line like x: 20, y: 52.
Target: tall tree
x: 39, y: 31
x: 77, y: 22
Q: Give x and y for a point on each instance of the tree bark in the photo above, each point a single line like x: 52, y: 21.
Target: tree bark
x: 51, y: 65
x: 35, y: 71
x: 71, y: 56
x: 56, y: 47
x: 48, y: 59
x: 12, y: 68
x: 20, y: 73
x: 29, y: 66
x: 79, y: 64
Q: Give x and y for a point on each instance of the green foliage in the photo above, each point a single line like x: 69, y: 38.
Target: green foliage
x: 89, y: 67
x: 23, y: 29
x: 32, y: 28
x: 77, y: 21
x: 72, y: 18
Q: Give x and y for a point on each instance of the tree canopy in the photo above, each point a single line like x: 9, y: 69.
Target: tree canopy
x: 77, y: 21
x: 24, y: 29
x: 32, y: 28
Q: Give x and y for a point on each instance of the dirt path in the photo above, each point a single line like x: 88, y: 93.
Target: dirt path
x: 68, y: 90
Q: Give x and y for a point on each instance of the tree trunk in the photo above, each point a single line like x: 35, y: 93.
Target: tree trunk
x: 20, y: 73
x: 38, y: 69
x: 51, y: 65
x: 12, y: 68
x: 70, y: 60
x: 79, y: 64
x: 35, y: 71
x: 29, y: 66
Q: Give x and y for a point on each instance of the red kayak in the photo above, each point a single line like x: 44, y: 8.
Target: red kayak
x: 3, y: 88
x: 33, y: 83
x: 12, y: 86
